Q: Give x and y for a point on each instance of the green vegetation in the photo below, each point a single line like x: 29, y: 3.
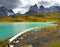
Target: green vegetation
x: 53, y: 44
x: 3, y: 43
x: 45, y: 17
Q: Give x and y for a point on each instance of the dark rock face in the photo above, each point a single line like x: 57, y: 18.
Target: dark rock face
x: 3, y: 11
x: 34, y: 9
x: 54, y: 9
x: 6, y: 12
x: 41, y: 8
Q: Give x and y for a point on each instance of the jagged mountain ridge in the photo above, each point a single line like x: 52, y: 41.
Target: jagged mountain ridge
x: 6, y: 12
x: 34, y: 9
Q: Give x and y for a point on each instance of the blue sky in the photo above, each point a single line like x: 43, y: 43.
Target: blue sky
x: 23, y: 5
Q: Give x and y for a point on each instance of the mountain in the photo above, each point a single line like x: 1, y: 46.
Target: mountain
x: 57, y: 7
x: 33, y: 9
x: 11, y: 12
x: 54, y: 9
x: 6, y: 12
x: 42, y: 9
x: 50, y: 9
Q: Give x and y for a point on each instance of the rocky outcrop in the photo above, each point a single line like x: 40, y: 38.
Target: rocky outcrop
x: 6, y: 12
x: 34, y: 9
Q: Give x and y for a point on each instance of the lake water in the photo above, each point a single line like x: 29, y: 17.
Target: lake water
x: 10, y: 29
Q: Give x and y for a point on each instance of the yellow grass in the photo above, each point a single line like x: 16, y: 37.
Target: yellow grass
x: 46, y: 17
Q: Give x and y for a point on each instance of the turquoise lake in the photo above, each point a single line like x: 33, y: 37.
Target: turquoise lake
x: 10, y: 29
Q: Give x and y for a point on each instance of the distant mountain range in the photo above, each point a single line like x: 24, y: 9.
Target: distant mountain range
x: 6, y: 12
x: 33, y: 9
x: 42, y: 9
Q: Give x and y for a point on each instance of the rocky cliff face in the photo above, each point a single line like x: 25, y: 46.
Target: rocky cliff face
x: 54, y: 8
x: 41, y: 8
x: 6, y: 12
x: 34, y: 9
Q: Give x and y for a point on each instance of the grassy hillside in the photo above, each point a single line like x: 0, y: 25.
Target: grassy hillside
x: 3, y: 43
x: 46, y: 17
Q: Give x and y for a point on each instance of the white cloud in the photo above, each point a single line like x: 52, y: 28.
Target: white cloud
x: 32, y: 2
x: 22, y: 8
x: 57, y: 1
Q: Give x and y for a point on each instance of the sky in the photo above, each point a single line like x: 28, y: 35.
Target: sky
x: 22, y: 6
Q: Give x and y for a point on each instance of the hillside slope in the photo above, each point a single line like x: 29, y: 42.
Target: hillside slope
x: 46, y: 17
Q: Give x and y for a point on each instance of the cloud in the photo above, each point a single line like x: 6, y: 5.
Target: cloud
x: 10, y: 3
x: 27, y: 3
x: 23, y: 5
x: 48, y: 3
x: 31, y: 2
x: 57, y: 4
x: 44, y: 3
